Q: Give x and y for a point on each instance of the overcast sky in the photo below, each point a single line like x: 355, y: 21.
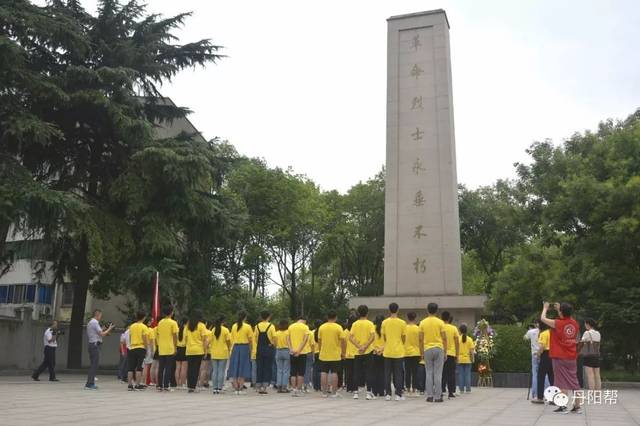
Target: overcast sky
x: 304, y: 83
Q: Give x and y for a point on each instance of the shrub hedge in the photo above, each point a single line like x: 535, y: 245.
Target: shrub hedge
x: 513, y: 353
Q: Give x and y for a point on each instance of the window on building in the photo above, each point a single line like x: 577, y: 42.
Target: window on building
x: 25, y: 293
x: 67, y: 294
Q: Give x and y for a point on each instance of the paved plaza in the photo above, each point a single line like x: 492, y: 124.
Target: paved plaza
x: 66, y: 403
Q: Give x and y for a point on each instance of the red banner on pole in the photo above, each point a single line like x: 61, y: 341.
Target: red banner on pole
x: 155, y: 305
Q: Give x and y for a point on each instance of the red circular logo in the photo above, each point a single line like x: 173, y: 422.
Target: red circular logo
x: 569, y: 330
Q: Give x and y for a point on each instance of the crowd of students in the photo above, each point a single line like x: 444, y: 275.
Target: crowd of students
x: 388, y: 357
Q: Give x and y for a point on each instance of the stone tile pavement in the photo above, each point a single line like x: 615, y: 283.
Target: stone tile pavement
x: 25, y: 402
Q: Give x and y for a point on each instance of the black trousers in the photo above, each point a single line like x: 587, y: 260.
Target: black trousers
x: 264, y: 368
x: 49, y: 362
x: 410, y: 372
x: 449, y: 375
x: 422, y: 376
x: 316, y: 372
x: 545, y: 368
x: 193, y: 370
x: 363, y: 371
x: 166, y: 368
x: 393, y: 366
x: 349, y: 381
x: 377, y: 387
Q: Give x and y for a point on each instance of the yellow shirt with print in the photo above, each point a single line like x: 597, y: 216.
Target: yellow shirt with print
x: 432, y: 327
x: 544, y: 340
x: 195, y: 339
x: 297, y: 333
x: 393, y: 331
x: 412, y: 341
x: 166, y: 331
x: 136, y: 331
x: 362, y: 330
x: 451, y: 331
x: 330, y: 339
x: 219, y: 346
x: 281, y: 339
x: 466, y: 348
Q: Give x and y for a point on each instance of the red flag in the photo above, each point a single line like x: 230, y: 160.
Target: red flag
x: 155, y: 305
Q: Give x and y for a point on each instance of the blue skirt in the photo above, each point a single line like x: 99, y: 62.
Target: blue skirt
x: 240, y: 362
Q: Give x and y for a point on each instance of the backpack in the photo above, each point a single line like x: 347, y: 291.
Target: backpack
x: 265, y: 348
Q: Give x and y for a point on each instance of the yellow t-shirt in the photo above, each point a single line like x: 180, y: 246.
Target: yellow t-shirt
x: 219, y: 346
x: 451, y: 331
x: 208, y: 335
x: 432, y: 327
x: 310, y: 343
x: 182, y: 342
x: 316, y: 346
x: 351, y: 348
x: 378, y: 342
x: 544, y: 340
x: 330, y: 339
x: 412, y: 341
x: 393, y: 329
x: 245, y: 335
x: 195, y: 339
x: 136, y: 331
x: 362, y: 330
x: 271, y: 332
x: 464, y: 357
x: 297, y: 333
x: 166, y: 330
x: 281, y: 339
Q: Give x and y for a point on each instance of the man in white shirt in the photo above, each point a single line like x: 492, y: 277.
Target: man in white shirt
x: 532, y: 335
x: 50, y: 345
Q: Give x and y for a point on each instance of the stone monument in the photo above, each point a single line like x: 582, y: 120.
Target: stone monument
x: 422, y: 259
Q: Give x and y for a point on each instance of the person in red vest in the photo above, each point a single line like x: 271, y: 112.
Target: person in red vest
x: 563, y: 353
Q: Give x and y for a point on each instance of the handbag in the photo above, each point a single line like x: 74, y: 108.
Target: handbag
x: 590, y: 348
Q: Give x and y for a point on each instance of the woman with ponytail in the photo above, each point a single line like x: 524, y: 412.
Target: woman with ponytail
x: 240, y: 362
x: 465, y: 359
x: 220, y: 348
x: 181, y: 357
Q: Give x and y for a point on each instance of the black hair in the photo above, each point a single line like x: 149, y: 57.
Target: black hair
x: 393, y: 308
x: 591, y: 322
x: 332, y: 315
x: 183, y: 324
x: 303, y: 318
x: 316, y: 325
x: 463, y: 332
x: 446, y: 316
x: 350, y: 321
x: 140, y: 315
x: 283, y: 324
x: 432, y: 308
x: 167, y: 310
x: 264, y: 315
x: 411, y: 316
x: 363, y: 310
x: 217, y: 326
x: 566, y: 309
x: 543, y: 326
x: 378, y: 323
x: 242, y: 315
x: 194, y: 319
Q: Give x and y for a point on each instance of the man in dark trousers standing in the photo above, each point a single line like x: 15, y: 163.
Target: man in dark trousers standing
x: 50, y: 345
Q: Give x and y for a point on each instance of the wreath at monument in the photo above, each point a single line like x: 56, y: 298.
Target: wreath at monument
x: 485, y: 351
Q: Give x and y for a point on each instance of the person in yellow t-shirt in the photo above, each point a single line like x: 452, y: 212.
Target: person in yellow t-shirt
x: 196, y: 339
x: 433, y: 340
x: 265, y: 338
x: 220, y: 347
x: 545, y: 367
x: 204, y: 375
x: 298, y: 349
x: 411, y: 354
x: 167, y: 337
x: 362, y: 335
x: 240, y: 361
x: 181, y: 356
x: 308, y: 371
x: 377, y: 359
x: 138, y: 342
x: 283, y: 357
x: 394, y: 331
x: 316, y: 366
x: 150, y: 361
x: 465, y: 359
x: 452, y: 350
x: 332, y: 351
x: 349, y: 357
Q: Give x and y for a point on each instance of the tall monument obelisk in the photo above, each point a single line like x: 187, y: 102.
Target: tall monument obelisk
x: 422, y: 232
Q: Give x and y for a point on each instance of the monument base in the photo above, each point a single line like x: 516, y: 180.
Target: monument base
x: 465, y: 309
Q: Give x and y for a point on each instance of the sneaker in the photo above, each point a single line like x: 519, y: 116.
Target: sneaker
x: 451, y: 395
x: 35, y: 379
x: 325, y: 395
x: 370, y: 396
x: 242, y: 393
x: 54, y: 380
x: 438, y: 400
x: 130, y: 388
x: 387, y: 398
x: 190, y: 391
x: 430, y: 399
x: 91, y: 387
x: 576, y: 410
x: 537, y: 401
x: 140, y: 387
x: 561, y: 410
x: 355, y: 395
x: 335, y: 395
x: 399, y: 398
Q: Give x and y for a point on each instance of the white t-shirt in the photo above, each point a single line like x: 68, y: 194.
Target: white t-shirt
x: 591, y: 336
x: 126, y: 338
x: 48, y: 334
x: 532, y: 336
